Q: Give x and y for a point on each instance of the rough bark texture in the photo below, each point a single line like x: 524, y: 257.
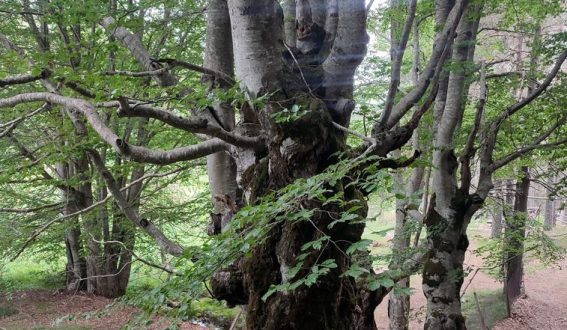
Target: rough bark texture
x: 299, y: 149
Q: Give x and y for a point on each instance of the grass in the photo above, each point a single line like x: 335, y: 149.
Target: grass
x: 6, y: 311
x: 214, y: 311
x: 492, y: 305
x: 29, y: 274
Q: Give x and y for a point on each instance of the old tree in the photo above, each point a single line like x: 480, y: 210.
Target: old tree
x: 271, y: 114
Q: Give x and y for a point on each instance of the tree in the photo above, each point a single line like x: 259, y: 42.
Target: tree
x: 289, y: 241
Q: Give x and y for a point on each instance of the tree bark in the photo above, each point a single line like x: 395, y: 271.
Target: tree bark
x: 515, y: 234
x: 299, y: 149
x: 497, y: 212
x: 451, y: 208
x: 221, y: 167
x: 550, y: 209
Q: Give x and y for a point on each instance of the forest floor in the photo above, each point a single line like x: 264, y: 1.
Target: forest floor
x: 47, y: 309
x: 544, y: 307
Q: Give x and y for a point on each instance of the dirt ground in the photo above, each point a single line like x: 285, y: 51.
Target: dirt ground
x: 44, y: 309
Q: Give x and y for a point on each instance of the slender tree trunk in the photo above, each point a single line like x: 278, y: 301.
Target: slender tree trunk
x: 399, y: 305
x: 550, y: 209
x: 515, y: 233
x: 497, y: 212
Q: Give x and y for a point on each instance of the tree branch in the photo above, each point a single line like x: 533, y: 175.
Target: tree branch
x: 469, y: 150
x: 397, y: 53
x: 228, y: 80
x: 30, y: 210
x: 535, y: 94
x: 433, y: 68
x: 535, y: 145
x: 165, y: 243
x: 23, y: 79
x: 135, y: 153
x: 198, y: 125
x: 138, y: 50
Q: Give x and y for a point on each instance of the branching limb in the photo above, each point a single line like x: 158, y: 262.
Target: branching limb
x: 138, y: 50
x: 198, y: 125
x: 165, y: 243
x: 397, y: 54
x: 135, y: 153
x: 137, y: 257
x: 137, y: 73
x: 537, y: 144
x: 433, y: 68
x: 534, y: 95
x: 62, y: 218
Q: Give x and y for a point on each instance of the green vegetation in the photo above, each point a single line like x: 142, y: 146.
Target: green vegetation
x: 492, y: 306
x: 6, y: 311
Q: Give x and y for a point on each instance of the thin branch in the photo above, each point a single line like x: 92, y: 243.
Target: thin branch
x: 142, y: 260
x: 23, y: 79
x: 165, y: 243
x: 228, y: 80
x: 32, y: 209
x: 26, y: 116
x: 469, y: 150
x: 535, y: 94
x: 397, y: 53
x: 435, y: 65
x: 355, y: 133
x: 522, y: 151
x: 59, y: 219
x: 137, y: 73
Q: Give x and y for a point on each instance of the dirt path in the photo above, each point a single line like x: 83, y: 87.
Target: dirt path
x: 477, y: 281
x: 43, y: 309
x: 545, y: 307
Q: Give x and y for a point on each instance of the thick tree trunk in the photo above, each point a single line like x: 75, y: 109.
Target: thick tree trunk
x: 298, y: 149
x: 443, y: 272
x: 221, y: 167
x: 515, y: 233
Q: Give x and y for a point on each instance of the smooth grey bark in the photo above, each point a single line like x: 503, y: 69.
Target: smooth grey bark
x: 221, y: 167
x: 134, y: 44
x: 76, y: 265
x: 399, y: 305
x: 450, y: 208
